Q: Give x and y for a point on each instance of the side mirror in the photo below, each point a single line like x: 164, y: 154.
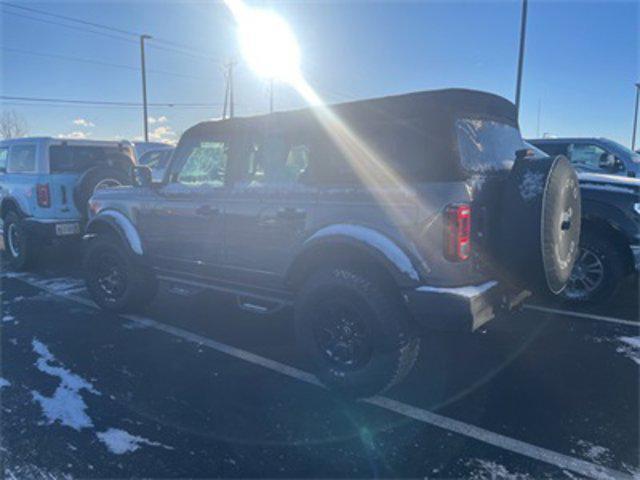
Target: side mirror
x: 608, y: 161
x: 141, y: 176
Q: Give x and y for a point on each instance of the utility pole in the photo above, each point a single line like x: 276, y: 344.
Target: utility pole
x: 144, y: 86
x: 228, y: 91
x: 523, y: 31
x: 271, y: 95
x: 232, y: 64
x: 635, y: 118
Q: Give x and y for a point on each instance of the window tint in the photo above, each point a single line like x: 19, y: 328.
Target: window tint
x: 22, y: 158
x: 486, y: 144
x: 77, y: 159
x: 4, y: 154
x: 585, y: 156
x: 206, y: 164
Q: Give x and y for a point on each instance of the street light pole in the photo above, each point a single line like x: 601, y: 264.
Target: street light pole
x: 635, y: 118
x: 144, y: 86
x: 523, y: 32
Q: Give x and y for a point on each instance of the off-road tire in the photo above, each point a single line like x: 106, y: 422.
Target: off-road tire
x: 394, y: 349
x: 612, y: 261
x: 90, y: 179
x: 26, y: 257
x: 140, y: 284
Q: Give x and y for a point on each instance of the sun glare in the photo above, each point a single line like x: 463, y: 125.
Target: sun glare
x: 267, y: 43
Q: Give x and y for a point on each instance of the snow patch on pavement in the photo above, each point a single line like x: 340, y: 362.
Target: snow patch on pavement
x: 66, y: 406
x: 488, y: 470
x: 8, y: 318
x: 630, y: 347
x: 120, y: 442
x: 4, y: 383
x: 595, y: 453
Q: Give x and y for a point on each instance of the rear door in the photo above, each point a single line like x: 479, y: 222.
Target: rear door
x: 183, y: 229
x: 269, y: 208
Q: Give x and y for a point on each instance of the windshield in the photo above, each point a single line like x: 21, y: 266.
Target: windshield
x: 77, y: 159
x: 621, y: 150
x: 487, y: 145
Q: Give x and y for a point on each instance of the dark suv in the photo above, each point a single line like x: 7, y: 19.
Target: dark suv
x: 379, y: 221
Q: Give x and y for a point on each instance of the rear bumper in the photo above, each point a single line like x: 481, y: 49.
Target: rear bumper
x: 53, y: 229
x: 463, y: 309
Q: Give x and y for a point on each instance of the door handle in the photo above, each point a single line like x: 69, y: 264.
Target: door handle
x: 207, y: 211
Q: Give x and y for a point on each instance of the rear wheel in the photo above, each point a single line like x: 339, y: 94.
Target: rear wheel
x: 597, y: 272
x: 114, y: 280
x: 18, y: 244
x: 355, y: 331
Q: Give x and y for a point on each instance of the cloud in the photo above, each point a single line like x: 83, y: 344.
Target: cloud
x: 153, y: 120
x: 164, y: 134
x: 83, y: 122
x: 75, y: 135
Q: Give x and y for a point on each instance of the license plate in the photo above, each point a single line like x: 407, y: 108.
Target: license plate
x: 67, y: 228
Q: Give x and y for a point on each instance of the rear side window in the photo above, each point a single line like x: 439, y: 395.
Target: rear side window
x: 383, y: 153
x: 22, y: 159
x: 77, y: 159
x: 487, y: 145
x: 275, y: 160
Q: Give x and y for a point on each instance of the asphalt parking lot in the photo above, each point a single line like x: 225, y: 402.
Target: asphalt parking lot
x: 196, y: 387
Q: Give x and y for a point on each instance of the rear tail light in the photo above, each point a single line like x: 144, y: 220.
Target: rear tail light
x: 43, y: 194
x: 457, y: 233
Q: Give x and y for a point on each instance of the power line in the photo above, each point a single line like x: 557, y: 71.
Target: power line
x: 95, y: 62
x: 105, y: 102
x: 71, y: 19
x: 168, y: 44
x: 72, y: 27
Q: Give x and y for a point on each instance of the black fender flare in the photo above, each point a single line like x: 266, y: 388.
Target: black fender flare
x: 120, y: 223
x: 12, y: 203
x: 374, y: 244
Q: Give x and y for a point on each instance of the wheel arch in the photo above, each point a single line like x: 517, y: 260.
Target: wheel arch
x: 114, y: 221
x: 354, y: 245
x: 601, y: 227
x: 11, y: 204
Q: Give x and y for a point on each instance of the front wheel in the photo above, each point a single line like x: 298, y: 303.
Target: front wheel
x: 114, y: 280
x: 355, y: 331
x: 597, y: 271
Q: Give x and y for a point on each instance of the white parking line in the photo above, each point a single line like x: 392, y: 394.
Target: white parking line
x: 588, y: 316
x: 556, y: 459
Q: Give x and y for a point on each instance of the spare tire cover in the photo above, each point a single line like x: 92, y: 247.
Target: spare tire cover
x: 89, y: 180
x: 540, y: 227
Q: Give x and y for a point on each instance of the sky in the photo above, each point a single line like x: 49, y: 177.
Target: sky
x: 581, y: 62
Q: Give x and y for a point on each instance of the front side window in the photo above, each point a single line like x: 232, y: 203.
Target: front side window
x: 205, y: 164
x: 487, y: 145
x: 22, y: 159
x: 586, y: 157
x: 155, y: 159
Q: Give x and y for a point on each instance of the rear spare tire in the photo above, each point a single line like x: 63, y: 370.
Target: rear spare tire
x: 540, y: 227
x: 95, y: 179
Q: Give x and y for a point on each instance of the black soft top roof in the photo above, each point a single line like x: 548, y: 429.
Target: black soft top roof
x: 436, y: 106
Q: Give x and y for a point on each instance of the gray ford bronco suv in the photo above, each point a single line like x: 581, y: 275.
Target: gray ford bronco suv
x: 379, y: 221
